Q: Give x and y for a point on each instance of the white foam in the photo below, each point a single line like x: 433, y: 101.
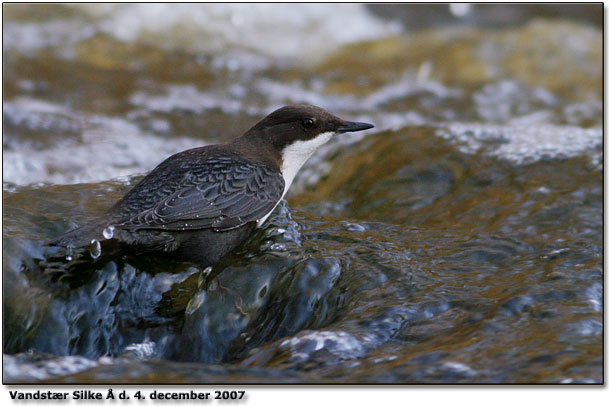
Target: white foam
x: 189, y: 98
x: 338, y: 343
x: 107, y: 148
x: 16, y: 370
x: 523, y: 142
x: 301, y: 31
x: 304, y: 32
x: 407, y: 85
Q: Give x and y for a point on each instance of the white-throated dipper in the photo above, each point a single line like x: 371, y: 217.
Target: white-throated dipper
x: 199, y: 204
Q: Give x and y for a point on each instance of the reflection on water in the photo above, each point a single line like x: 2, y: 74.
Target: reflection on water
x: 458, y: 241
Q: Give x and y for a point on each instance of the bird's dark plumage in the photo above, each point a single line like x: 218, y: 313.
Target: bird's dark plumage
x: 222, y: 193
x: 201, y: 203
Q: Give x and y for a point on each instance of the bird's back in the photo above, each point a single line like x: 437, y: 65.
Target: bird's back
x: 206, y: 189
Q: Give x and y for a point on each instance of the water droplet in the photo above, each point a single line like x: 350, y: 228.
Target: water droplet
x: 278, y: 247
x: 108, y: 232
x: 95, y: 249
x: 203, y: 277
x: 207, y: 271
x: 69, y: 252
x: 354, y: 227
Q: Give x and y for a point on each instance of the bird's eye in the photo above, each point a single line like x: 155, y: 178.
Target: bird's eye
x: 307, y: 123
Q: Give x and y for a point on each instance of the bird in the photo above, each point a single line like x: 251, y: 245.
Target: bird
x: 200, y: 204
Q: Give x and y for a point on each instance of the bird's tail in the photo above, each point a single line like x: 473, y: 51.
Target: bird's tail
x: 79, y: 237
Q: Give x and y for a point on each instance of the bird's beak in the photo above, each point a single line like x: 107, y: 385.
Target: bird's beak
x: 350, y: 126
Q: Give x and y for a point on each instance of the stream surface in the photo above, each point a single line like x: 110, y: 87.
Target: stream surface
x: 459, y: 241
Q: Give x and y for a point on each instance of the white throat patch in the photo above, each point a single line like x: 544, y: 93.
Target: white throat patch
x: 295, y: 155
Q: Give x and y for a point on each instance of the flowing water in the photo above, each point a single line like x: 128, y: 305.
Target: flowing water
x: 459, y: 241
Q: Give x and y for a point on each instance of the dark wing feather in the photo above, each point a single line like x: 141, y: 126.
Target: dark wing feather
x: 220, y: 194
